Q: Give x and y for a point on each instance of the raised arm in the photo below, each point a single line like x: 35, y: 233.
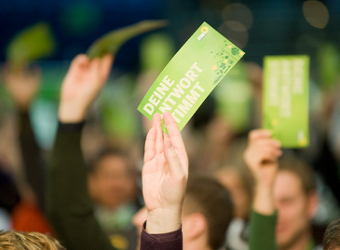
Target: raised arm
x: 23, y: 85
x: 261, y: 157
x: 165, y: 173
x: 69, y: 206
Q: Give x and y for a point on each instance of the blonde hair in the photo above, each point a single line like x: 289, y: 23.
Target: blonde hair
x: 11, y: 240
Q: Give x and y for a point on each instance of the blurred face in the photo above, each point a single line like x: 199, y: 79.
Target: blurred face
x: 295, y: 209
x: 111, y: 185
x: 231, y: 181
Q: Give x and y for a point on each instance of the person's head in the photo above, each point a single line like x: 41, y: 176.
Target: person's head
x: 331, y: 238
x: 207, y: 211
x: 112, y: 179
x: 11, y: 240
x: 295, y: 199
x: 206, y: 214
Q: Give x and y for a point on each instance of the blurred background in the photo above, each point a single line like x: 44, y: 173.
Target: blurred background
x: 260, y: 28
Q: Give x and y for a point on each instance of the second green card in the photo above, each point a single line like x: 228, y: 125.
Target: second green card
x: 285, y: 99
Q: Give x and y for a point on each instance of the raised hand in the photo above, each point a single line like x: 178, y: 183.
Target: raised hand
x: 165, y: 173
x: 82, y: 83
x: 261, y: 156
x: 22, y: 84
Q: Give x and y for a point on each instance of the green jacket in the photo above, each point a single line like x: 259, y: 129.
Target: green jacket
x: 262, y: 233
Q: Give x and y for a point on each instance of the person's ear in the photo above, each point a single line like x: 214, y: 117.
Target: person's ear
x: 313, y: 201
x: 194, y: 225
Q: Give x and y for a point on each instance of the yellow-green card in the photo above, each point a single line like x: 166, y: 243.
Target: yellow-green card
x: 285, y: 99
x: 191, y: 75
x: 30, y: 44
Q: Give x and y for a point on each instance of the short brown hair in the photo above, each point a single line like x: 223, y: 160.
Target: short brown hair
x: 11, y: 240
x: 208, y: 197
x: 331, y: 238
x: 301, y: 169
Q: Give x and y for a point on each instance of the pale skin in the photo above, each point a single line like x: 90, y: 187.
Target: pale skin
x: 82, y: 83
x: 165, y: 173
x: 165, y: 170
x: 261, y: 156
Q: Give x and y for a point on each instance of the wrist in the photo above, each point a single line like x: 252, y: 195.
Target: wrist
x: 264, y: 186
x: 163, y: 220
x: 68, y: 114
x: 263, y: 202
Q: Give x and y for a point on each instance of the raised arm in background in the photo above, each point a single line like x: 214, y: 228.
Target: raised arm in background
x: 165, y: 171
x: 69, y: 207
x: 261, y: 156
x: 23, y: 85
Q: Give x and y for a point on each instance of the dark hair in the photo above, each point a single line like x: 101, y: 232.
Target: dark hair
x: 331, y: 238
x: 301, y: 169
x: 106, y: 152
x: 207, y: 196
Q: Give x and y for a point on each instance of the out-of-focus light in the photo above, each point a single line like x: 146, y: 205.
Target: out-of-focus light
x: 156, y: 50
x: 236, y: 32
x: 238, y: 12
x: 316, y: 13
x: 236, y: 26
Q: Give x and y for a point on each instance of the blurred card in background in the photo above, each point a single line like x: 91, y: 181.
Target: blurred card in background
x: 285, y: 99
x: 112, y: 41
x: 32, y: 43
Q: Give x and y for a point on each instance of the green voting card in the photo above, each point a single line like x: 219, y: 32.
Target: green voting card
x: 191, y: 75
x: 31, y: 44
x: 285, y: 99
x: 112, y: 41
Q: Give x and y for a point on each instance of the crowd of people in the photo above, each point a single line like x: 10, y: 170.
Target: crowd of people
x: 208, y: 190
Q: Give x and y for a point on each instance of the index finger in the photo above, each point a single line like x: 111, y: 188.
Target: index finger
x: 174, y: 133
x: 259, y: 134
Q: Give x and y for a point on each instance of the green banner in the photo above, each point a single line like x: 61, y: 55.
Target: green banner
x: 285, y: 99
x: 191, y: 75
